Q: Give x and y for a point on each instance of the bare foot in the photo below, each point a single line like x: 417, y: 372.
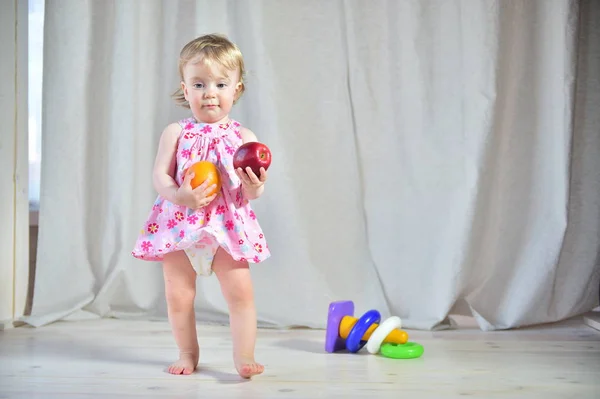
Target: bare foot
x: 185, y: 365
x: 247, y: 368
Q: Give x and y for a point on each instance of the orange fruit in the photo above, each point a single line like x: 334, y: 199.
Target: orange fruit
x: 205, y: 170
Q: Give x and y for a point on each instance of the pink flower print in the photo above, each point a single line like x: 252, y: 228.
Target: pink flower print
x: 238, y: 134
x: 229, y: 225
x: 206, y: 129
x: 189, y: 126
x: 237, y: 215
x: 179, y: 216
x: 168, y: 245
x: 213, y: 144
x: 256, y: 259
x: 152, y: 228
x: 252, y: 215
x: 238, y: 197
x: 229, y: 149
x: 236, y: 124
x: 207, y: 217
x: 220, y: 209
x: 258, y: 247
x: 261, y: 235
x: 171, y: 223
x: 181, y: 233
x: 186, y: 153
x: 146, y: 245
x: 192, y: 219
x: 155, y: 207
x: 242, y: 259
x: 240, y: 241
x: 189, y: 135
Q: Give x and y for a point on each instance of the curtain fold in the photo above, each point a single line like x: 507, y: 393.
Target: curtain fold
x: 429, y: 158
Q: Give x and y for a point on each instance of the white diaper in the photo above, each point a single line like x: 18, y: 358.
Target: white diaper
x: 202, y: 254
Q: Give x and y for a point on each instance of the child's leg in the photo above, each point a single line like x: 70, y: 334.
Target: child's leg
x: 180, y: 291
x: 236, y: 285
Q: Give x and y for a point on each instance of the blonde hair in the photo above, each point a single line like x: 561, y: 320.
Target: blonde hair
x: 211, y: 48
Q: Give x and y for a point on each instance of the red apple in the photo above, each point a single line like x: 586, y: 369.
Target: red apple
x: 252, y: 154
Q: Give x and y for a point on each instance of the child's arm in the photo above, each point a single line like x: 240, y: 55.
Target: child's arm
x: 253, y: 186
x: 165, y: 163
x: 164, y: 172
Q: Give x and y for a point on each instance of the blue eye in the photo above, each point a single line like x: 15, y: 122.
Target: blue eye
x: 198, y: 85
x: 221, y: 85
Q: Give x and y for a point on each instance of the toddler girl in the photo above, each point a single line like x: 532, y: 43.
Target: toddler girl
x: 191, y: 231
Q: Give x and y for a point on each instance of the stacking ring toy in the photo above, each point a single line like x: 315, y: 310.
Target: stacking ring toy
x: 381, y: 332
x: 354, y: 340
x: 344, y: 331
x: 409, y: 350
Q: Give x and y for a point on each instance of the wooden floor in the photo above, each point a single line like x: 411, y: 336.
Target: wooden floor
x: 124, y: 359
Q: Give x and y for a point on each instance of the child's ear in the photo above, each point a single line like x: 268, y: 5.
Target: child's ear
x: 238, y: 89
x: 184, y: 89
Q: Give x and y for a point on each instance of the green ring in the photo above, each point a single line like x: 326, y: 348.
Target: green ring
x: 409, y: 350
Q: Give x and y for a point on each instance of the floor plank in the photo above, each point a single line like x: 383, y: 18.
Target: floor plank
x: 123, y: 358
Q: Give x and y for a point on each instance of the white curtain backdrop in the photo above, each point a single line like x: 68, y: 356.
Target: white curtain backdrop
x: 429, y: 157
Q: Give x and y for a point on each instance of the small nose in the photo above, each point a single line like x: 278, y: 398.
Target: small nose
x: 210, y: 91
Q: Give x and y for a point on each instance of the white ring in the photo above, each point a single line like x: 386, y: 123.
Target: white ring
x: 382, y: 331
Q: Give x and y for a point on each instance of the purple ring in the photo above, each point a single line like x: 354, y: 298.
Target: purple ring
x: 354, y: 341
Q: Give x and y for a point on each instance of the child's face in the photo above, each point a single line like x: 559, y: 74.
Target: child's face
x: 210, y: 90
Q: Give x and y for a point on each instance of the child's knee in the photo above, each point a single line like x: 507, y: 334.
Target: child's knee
x: 180, y: 299
x: 240, y: 296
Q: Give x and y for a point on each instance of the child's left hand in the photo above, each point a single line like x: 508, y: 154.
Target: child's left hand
x: 251, y: 183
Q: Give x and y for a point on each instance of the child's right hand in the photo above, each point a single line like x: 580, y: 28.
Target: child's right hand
x: 194, y: 198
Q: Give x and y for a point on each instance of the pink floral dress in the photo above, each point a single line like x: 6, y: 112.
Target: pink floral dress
x: 228, y: 221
